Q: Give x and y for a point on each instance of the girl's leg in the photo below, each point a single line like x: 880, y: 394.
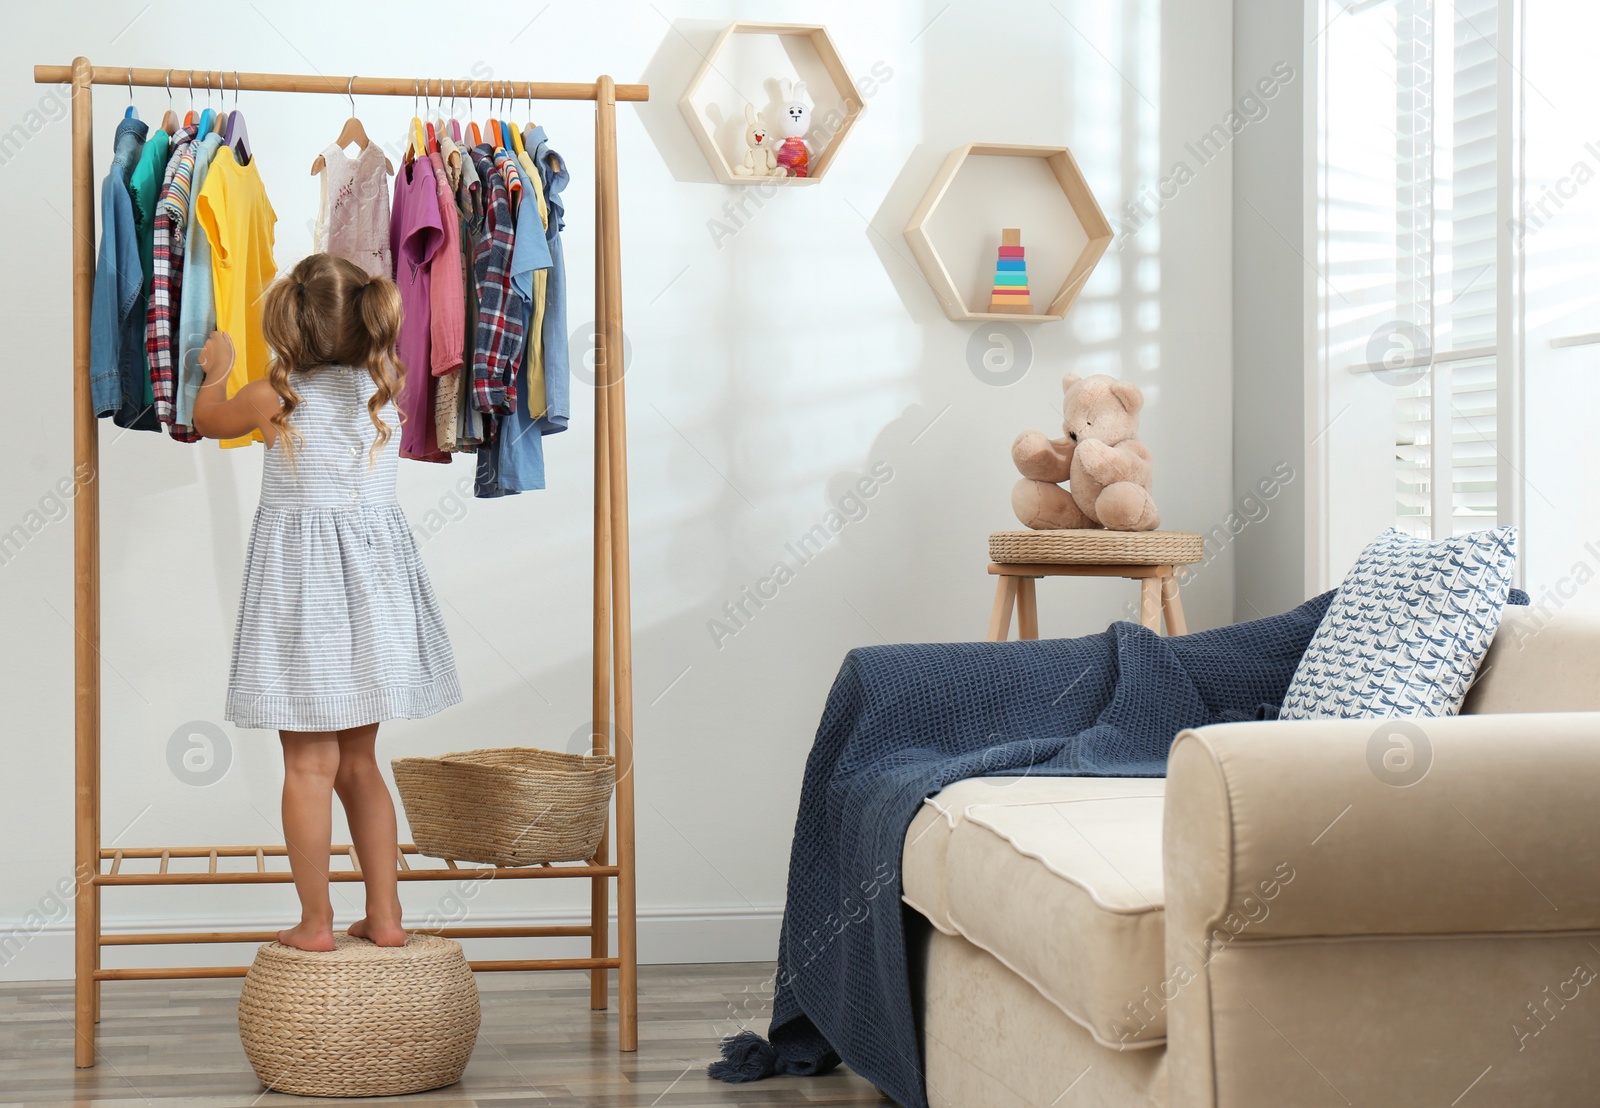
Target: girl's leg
x: 370, y: 810
x: 310, y: 764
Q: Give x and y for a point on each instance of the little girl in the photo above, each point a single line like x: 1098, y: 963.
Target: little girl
x: 338, y: 627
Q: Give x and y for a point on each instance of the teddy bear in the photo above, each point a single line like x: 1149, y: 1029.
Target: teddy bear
x: 1106, y: 467
x: 759, y: 159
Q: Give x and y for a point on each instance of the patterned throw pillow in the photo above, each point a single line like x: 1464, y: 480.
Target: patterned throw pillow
x: 1407, y: 629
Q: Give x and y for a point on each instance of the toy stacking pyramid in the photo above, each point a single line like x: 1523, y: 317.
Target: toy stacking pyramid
x: 1010, y: 276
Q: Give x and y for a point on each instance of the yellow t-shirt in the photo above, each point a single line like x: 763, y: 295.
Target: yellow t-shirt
x: 238, y: 221
x: 541, y: 277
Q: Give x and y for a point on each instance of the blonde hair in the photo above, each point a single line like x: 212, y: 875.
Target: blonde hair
x: 327, y: 311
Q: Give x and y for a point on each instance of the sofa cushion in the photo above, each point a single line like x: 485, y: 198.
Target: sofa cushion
x: 1407, y: 629
x: 1543, y: 660
x: 1059, y: 878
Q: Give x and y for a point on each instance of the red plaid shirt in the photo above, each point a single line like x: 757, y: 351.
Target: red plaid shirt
x: 167, y: 282
x: 501, y: 314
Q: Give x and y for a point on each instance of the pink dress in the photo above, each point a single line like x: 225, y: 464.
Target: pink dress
x: 353, y: 221
x: 416, y: 234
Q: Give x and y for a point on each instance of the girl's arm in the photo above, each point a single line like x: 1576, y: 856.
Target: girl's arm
x: 251, y: 408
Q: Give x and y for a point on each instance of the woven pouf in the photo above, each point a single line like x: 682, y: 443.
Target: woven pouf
x: 361, y: 1019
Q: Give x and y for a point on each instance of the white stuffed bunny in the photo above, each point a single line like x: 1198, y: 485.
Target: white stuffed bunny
x: 759, y: 160
x: 794, y: 120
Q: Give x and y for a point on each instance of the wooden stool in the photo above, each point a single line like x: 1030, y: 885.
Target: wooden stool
x: 1018, y: 558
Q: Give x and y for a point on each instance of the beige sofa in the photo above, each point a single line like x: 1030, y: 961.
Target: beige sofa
x: 1283, y: 921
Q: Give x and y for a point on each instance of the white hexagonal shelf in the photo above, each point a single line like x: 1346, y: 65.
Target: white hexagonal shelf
x: 799, y: 51
x: 1085, y: 243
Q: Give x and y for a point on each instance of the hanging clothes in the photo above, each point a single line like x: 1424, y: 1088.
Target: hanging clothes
x: 116, y: 322
x: 415, y: 235
x: 498, y: 349
x: 533, y: 393
x: 239, y: 224
x: 518, y: 464
x: 353, y: 218
x: 469, y: 205
x: 167, y: 274
x: 197, y: 306
x: 446, y: 309
x: 144, y: 189
x: 447, y: 398
x: 554, y: 178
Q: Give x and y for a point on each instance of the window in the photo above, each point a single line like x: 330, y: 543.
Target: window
x: 1418, y: 363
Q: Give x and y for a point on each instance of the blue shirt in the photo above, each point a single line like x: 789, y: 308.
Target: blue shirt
x: 116, y: 321
x: 557, y: 364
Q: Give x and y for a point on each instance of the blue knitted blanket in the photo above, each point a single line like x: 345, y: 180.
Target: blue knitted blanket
x: 901, y: 723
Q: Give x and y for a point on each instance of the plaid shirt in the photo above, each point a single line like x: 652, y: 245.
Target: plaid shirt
x: 167, y: 281
x: 501, y: 314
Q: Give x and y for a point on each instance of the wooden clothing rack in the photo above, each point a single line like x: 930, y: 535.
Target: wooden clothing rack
x: 98, y: 867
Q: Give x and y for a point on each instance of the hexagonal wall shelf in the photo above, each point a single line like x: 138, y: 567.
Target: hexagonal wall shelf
x: 1064, y: 170
x: 799, y: 42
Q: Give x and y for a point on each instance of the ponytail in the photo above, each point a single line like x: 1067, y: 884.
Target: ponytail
x: 328, y: 311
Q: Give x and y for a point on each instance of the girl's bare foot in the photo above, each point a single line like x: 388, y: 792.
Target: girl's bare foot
x: 307, y: 936
x: 380, y: 934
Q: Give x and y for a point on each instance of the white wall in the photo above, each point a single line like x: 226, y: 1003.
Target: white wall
x: 1273, y: 93
x: 771, y: 368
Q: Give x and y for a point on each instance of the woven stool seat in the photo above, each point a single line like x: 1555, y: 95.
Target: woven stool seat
x: 1097, y: 547
x: 361, y: 1019
x: 1018, y: 558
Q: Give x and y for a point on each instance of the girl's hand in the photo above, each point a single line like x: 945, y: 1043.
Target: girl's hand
x: 216, y: 356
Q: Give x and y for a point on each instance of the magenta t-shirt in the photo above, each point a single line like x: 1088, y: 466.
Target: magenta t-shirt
x: 415, y: 234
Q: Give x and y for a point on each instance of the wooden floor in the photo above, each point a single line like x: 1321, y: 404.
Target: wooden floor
x: 177, y: 1042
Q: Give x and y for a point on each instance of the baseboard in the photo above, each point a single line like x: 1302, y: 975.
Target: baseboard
x: 666, y: 936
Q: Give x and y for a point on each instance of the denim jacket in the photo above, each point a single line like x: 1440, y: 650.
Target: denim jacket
x: 557, y: 367
x: 116, y: 322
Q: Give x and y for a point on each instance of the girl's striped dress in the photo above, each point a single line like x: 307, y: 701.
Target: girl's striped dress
x: 338, y: 625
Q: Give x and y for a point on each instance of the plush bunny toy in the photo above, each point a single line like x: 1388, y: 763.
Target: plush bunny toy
x: 759, y: 160
x: 794, y: 120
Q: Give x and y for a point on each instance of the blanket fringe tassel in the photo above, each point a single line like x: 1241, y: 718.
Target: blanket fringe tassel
x: 745, y: 1057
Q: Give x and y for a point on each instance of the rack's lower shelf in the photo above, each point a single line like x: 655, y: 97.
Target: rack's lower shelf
x: 450, y: 870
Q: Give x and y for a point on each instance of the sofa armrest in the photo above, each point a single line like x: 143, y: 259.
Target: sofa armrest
x: 1307, y: 828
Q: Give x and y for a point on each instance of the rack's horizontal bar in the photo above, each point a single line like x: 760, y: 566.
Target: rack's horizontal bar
x: 228, y: 80
x: 174, y: 973
x: 284, y: 877
x: 509, y: 931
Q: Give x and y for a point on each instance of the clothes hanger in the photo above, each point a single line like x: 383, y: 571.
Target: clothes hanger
x: 238, y: 135
x: 433, y: 138
x: 208, y: 118
x: 169, y: 121
x: 189, y: 117
x: 132, y: 112
x: 455, y: 125
x: 472, y: 124
x: 221, y: 118
x: 353, y: 131
x: 516, y: 134
x: 492, y: 127
x: 419, y: 144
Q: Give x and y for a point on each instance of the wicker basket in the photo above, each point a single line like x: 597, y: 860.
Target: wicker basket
x: 515, y: 806
x: 1097, y: 547
x: 359, y: 1020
